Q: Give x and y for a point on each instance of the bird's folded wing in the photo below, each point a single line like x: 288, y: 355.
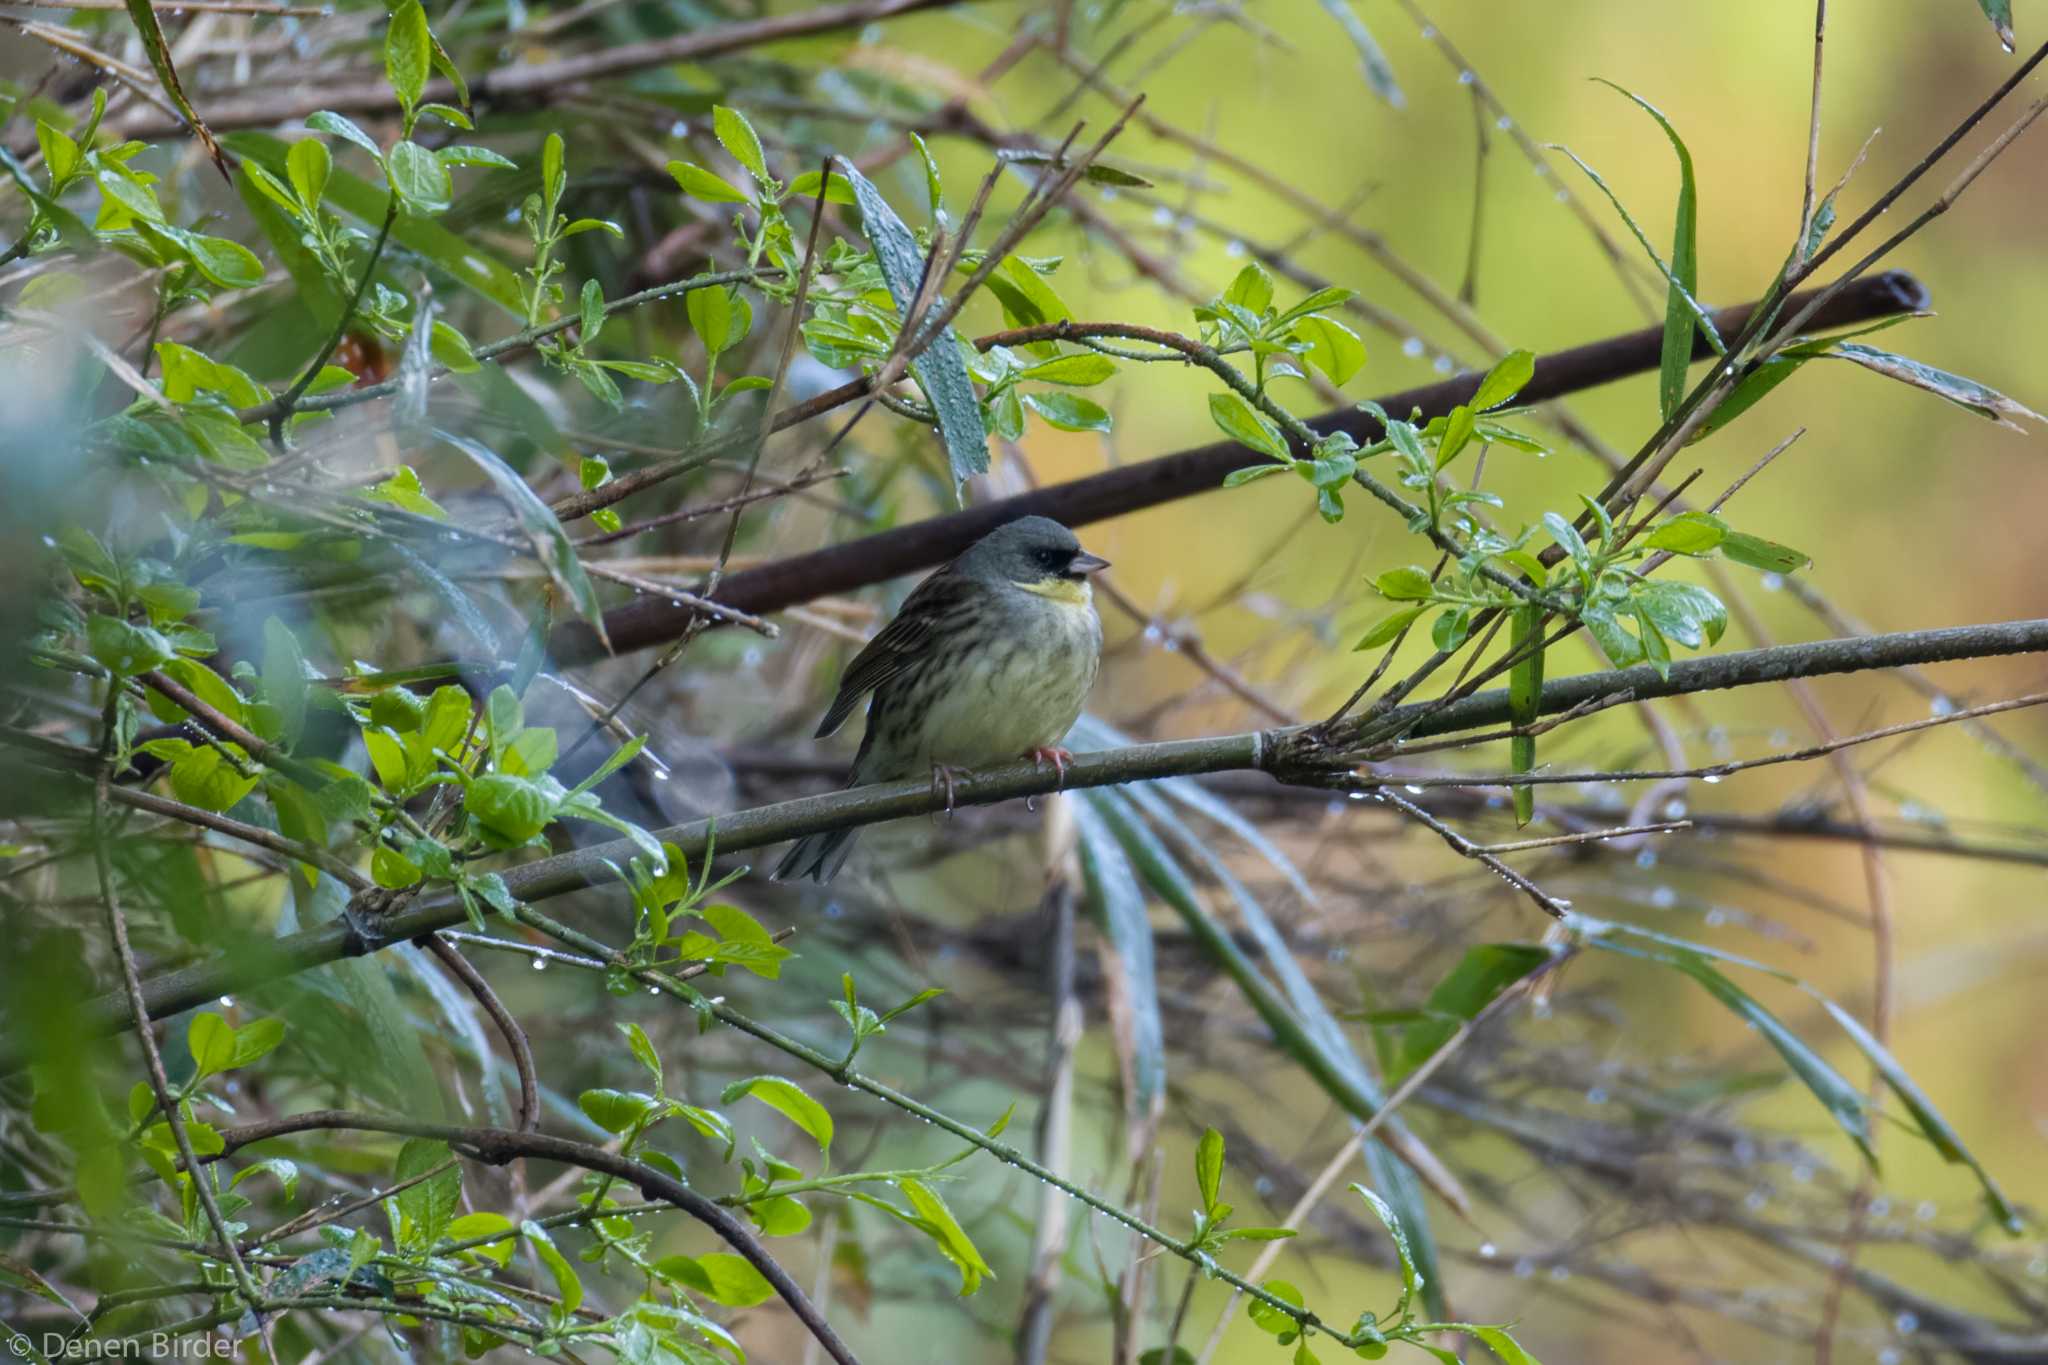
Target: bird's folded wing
x: 932, y: 607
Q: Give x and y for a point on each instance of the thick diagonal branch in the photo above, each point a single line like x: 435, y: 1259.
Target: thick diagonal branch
x: 1130, y: 488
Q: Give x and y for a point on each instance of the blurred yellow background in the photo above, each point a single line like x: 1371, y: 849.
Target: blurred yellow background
x: 1917, y: 513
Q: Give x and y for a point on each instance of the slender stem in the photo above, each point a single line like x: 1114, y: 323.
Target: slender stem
x: 288, y: 400
x: 131, y: 981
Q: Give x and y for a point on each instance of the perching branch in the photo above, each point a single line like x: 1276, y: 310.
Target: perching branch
x: 1296, y: 753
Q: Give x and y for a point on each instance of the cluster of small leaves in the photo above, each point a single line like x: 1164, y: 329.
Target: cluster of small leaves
x: 1632, y: 617
x: 1022, y: 285
x: 664, y: 897
x: 1243, y: 320
x: 549, y: 228
x: 500, y: 765
x: 129, y: 219
x: 106, y: 1150
x: 1371, y: 1335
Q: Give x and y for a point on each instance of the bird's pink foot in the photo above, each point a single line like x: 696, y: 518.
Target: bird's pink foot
x: 944, y: 776
x: 1059, y: 758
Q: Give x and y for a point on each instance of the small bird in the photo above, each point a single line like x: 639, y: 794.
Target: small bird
x: 989, y: 659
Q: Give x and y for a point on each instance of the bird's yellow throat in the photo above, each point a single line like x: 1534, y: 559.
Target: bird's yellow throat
x: 1063, y: 590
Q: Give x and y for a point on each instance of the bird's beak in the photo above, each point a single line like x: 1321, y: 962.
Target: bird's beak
x: 1085, y: 563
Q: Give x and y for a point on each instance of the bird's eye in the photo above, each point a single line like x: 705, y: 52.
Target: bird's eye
x: 1051, y: 558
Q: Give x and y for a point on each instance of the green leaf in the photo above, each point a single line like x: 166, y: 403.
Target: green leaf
x: 1458, y: 428
x: 621, y: 756
x: 1841, y: 1099
x: 1252, y: 290
x: 1078, y: 370
x: 188, y: 373
x: 616, y: 1111
x: 1964, y: 393
x: 787, y: 1098
x: 1759, y: 553
x: 1253, y: 472
x: 511, y: 810
x: 643, y: 1050
x: 309, y: 164
x: 1333, y: 348
x: 484, y: 1224
x: 286, y: 1173
x: 805, y: 187
x: 255, y: 1040
x: 1411, y: 1278
x: 589, y: 313
x: 221, y: 260
x: 1389, y: 627
x: 211, y: 1040
x: 945, y: 1230
x: 404, y: 491
x: 1688, y: 614
x: 1069, y: 411
x: 568, y: 1286
x: 1498, y: 1341
x: 1379, y: 73
x: 1509, y: 375
x: 1525, y: 697
x: 711, y: 1124
x: 60, y: 152
x: 1028, y: 301
x: 1409, y: 584
x: 126, y: 649
x: 934, y: 191
x: 738, y: 137
x: 407, y: 51
x: 1999, y: 12
x: 1209, y: 1167
x: 429, y: 1206
x: 1568, y: 539
x: 1283, y: 1325
x: 393, y: 870
x: 733, y: 1281
x: 699, y: 183
x: 1680, y: 310
x: 419, y: 178
x: 940, y: 369
x: 1689, y: 533
x: 554, y: 171
x: 327, y: 121
x: 543, y: 530
x: 1936, y: 1128
x: 1482, y: 974
x: 1237, y: 420
x: 710, y: 311
x: 202, y: 777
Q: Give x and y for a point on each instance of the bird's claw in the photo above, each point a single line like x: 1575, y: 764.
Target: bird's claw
x: 944, y: 776
x: 1059, y: 758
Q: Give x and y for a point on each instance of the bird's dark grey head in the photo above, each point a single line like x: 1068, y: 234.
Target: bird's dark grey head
x: 1029, y: 550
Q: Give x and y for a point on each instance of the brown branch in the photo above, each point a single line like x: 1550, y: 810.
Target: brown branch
x: 876, y: 558
x: 464, y: 971
x: 515, y: 82
x: 498, y: 1146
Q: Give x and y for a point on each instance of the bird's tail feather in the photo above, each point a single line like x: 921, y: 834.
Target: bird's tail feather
x: 817, y: 856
